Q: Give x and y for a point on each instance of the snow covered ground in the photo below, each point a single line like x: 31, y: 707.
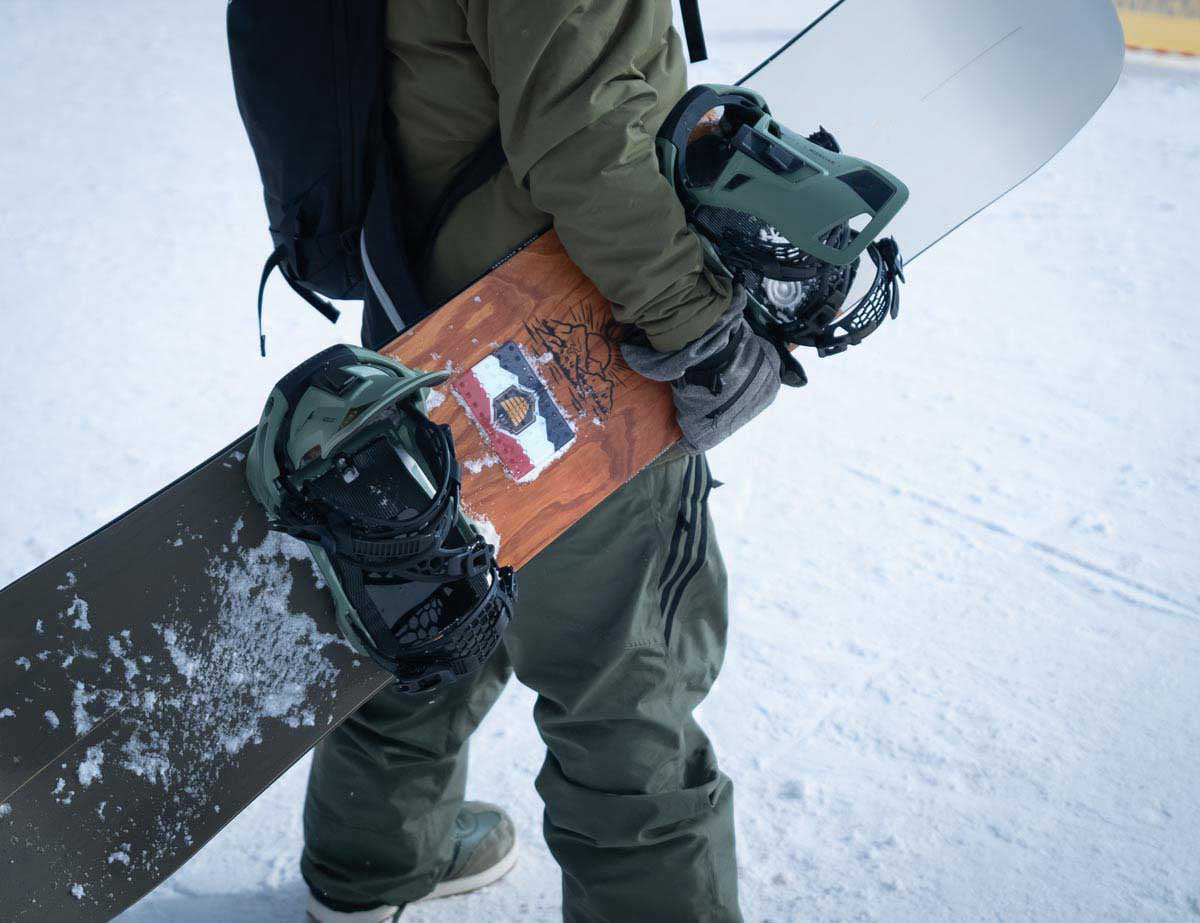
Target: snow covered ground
x: 962, y: 681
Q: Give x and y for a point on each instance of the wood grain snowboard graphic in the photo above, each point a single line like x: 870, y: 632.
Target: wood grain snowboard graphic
x: 157, y: 676
x: 538, y: 311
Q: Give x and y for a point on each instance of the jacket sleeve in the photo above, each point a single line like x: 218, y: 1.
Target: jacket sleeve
x: 583, y: 86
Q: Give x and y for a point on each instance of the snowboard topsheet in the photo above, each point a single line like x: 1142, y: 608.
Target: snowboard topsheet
x: 157, y: 676
x: 961, y: 99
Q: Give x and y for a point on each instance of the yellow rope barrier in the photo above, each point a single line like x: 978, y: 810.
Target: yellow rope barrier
x: 1161, y: 25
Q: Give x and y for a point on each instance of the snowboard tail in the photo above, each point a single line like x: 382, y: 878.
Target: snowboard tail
x: 171, y: 665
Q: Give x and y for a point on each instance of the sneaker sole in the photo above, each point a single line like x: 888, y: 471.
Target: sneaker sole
x: 318, y: 913
x: 476, y: 881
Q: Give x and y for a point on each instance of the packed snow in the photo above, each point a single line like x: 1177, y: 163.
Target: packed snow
x: 486, y: 528
x: 961, y: 680
x: 79, y: 609
x: 434, y: 399
x: 121, y: 855
x: 252, y: 665
x: 476, y: 465
x: 89, y: 769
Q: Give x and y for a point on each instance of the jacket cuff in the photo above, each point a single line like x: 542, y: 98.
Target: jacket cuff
x: 714, y: 297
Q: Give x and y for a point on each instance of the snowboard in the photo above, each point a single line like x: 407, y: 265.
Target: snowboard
x: 161, y: 673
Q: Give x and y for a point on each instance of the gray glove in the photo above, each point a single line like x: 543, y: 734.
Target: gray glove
x: 721, y: 381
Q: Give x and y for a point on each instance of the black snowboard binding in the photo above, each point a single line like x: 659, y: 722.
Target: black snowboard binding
x: 775, y: 210
x: 345, y: 459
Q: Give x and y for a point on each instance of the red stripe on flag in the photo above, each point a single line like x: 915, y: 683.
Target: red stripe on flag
x: 512, y: 455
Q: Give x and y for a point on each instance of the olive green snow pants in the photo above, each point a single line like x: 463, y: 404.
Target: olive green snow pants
x: 620, y: 629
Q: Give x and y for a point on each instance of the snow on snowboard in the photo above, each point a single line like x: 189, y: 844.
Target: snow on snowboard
x: 161, y: 673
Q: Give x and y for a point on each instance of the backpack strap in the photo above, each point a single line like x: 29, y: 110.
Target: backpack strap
x: 279, y: 258
x: 481, y: 167
x: 693, y: 28
x: 392, y: 299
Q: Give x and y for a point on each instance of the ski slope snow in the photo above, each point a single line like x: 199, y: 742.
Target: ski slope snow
x: 962, y: 676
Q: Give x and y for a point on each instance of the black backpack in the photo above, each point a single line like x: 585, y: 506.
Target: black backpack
x: 309, y: 80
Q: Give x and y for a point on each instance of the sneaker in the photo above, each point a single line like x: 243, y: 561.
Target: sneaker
x: 333, y: 912
x: 485, y: 850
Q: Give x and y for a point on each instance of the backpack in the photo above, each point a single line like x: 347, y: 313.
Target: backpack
x: 309, y: 81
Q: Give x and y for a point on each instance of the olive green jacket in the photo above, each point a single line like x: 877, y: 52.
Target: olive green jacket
x: 577, y: 89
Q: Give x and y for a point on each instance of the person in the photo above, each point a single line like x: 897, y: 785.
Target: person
x: 621, y: 623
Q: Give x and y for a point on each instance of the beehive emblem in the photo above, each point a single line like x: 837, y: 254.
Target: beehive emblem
x: 515, y: 409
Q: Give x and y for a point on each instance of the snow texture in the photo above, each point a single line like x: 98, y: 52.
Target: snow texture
x: 89, y: 768
x: 79, y: 611
x: 961, y: 681
x: 434, y: 399
x: 476, y: 465
x: 253, y: 667
x: 486, y: 528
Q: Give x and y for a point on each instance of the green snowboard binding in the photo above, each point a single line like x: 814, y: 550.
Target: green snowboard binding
x: 774, y: 211
x: 345, y: 458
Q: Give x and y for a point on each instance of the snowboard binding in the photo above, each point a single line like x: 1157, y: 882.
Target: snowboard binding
x: 345, y: 459
x: 775, y: 211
